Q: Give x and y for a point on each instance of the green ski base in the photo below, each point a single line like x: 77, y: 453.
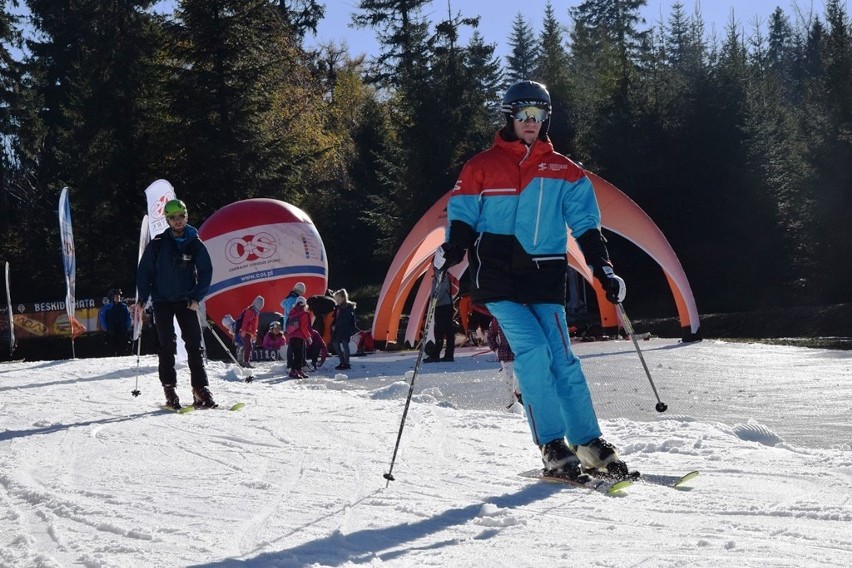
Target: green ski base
x: 668, y: 480
x: 649, y: 478
x: 182, y: 410
x: 604, y: 486
x: 190, y: 408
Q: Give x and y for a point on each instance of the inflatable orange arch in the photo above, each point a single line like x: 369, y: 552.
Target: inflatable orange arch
x: 619, y: 214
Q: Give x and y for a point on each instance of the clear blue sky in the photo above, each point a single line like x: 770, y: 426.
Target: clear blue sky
x: 497, y: 16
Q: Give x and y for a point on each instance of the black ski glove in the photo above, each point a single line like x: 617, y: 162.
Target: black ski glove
x: 460, y: 237
x: 593, y: 245
x: 447, y: 255
x: 613, y: 285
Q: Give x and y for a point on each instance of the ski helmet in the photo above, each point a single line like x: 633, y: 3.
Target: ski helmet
x: 174, y: 207
x: 526, y: 93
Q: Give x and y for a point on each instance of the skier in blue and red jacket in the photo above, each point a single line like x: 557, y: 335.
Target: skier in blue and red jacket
x: 509, y: 211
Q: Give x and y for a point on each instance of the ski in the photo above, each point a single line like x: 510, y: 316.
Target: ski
x: 605, y: 486
x: 667, y: 480
x: 190, y: 408
x: 232, y: 408
x: 649, y: 478
x: 181, y: 410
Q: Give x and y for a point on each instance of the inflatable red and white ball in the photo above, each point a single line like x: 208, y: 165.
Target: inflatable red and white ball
x: 261, y: 247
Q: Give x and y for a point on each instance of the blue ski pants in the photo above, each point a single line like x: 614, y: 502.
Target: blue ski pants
x: 555, y: 393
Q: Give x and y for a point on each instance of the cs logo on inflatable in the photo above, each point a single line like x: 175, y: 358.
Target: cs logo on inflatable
x: 249, y: 248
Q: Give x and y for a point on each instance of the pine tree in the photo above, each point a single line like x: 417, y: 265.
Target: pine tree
x: 831, y: 149
x: 302, y: 15
x: 552, y: 69
x: 779, y: 150
x: 606, y: 47
x: 341, y: 202
x: 402, y: 32
x: 90, y: 69
x: 525, y: 51
x: 9, y: 85
x: 432, y: 104
x: 248, y: 112
x: 485, y: 84
x: 614, y: 23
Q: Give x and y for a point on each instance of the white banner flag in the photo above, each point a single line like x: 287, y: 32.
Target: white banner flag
x: 158, y: 194
x: 9, y: 312
x: 144, y: 237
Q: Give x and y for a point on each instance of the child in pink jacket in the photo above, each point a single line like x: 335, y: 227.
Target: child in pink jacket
x: 298, y: 336
x: 248, y: 329
x: 274, y: 339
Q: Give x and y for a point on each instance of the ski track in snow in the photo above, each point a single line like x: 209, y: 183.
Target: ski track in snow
x: 91, y: 476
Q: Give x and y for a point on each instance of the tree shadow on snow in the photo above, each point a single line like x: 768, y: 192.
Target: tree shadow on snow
x: 120, y: 374
x: 52, y: 428
x: 40, y: 365
x: 388, y: 543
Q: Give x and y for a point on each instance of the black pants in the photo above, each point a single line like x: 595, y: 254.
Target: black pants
x: 297, y: 348
x: 117, y: 343
x: 190, y: 331
x: 291, y: 353
x: 445, y: 330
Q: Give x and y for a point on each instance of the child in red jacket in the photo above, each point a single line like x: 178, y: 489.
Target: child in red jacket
x: 248, y: 329
x: 298, y: 336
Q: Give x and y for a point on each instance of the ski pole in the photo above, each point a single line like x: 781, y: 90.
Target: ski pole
x: 137, y: 334
x: 628, y: 327
x: 430, y: 313
x: 203, y: 318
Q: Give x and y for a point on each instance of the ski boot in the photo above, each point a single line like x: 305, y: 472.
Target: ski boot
x: 172, y: 400
x: 203, y: 398
x: 601, y: 458
x: 559, y: 460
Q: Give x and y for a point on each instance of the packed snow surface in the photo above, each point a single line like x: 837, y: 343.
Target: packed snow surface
x: 93, y: 476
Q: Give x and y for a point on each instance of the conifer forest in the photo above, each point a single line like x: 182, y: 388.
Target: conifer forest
x: 736, y: 142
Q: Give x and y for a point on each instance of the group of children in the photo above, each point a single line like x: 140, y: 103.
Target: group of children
x: 295, y: 337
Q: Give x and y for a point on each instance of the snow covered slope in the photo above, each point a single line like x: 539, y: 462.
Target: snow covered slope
x: 91, y: 476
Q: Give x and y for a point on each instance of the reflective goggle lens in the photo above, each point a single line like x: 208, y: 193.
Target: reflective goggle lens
x: 524, y: 113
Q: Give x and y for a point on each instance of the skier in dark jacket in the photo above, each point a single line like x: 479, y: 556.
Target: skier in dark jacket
x: 509, y: 211
x: 175, y: 271
x: 114, y: 318
x: 343, y: 327
x: 322, y: 306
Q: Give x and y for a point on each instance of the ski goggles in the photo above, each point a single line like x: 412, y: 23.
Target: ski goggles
x: 523, y: 113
